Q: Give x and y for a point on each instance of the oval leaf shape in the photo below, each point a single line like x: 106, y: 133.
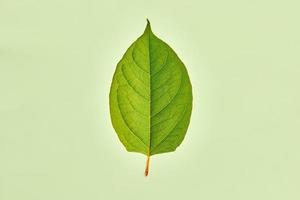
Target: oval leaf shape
x: 150, y: 97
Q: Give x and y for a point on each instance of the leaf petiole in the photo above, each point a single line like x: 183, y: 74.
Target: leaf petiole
x: 147, y: 166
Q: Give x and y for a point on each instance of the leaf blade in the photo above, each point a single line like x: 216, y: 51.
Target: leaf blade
x: 150, y: 97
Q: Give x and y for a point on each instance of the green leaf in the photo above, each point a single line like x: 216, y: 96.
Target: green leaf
x: 150, y: 97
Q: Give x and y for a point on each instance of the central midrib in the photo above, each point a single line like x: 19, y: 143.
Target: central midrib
x: 150, y: 98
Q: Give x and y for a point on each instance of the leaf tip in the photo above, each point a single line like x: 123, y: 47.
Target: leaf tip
x: 148, y: 27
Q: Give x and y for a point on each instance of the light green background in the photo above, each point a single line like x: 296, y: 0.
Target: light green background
x: 57, y: 59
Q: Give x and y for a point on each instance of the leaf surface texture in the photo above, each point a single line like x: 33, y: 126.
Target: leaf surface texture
x: 150, y: 97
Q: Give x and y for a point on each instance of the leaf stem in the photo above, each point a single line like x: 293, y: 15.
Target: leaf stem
x: 147, y: 165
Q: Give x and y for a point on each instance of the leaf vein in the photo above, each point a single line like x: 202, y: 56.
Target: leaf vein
x: 135, y: 90
x: 164, y: 139
x: 178, y: 91
x: 127, y: 125
x: 134, y: 61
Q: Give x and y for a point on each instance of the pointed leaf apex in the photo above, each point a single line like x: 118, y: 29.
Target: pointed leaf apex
x: 148, y: 27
